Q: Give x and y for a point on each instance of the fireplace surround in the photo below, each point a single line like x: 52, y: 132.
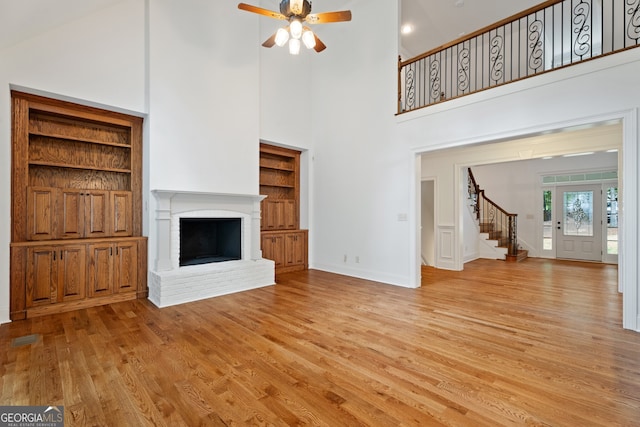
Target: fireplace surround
x: 170, y: 283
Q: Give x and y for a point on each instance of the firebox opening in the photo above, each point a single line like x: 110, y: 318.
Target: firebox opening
x: 208, y: 240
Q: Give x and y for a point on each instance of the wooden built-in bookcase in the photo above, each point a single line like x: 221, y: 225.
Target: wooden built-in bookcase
x: 76, y: 207
x: 282, y: 240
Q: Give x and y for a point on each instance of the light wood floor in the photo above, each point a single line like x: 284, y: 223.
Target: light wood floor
x: 536, y: 343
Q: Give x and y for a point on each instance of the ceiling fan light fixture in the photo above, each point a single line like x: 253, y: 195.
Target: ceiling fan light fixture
x: 309, y: 39
x: 282, y: 36
x: 294, y: 46
x: 296, y: 28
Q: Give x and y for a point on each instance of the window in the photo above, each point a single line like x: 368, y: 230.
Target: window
x: 547, y: 221
x: 577, y: 213
x: 612, y: 221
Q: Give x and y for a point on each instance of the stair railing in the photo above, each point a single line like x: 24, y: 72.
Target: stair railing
x: 498, y: 223
x: 552, y: 35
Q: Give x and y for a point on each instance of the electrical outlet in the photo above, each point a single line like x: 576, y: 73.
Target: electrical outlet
x: 357, y: 259
x: 345, y: 258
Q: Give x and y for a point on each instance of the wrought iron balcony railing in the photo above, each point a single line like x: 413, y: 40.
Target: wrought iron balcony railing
x: 552, y: 35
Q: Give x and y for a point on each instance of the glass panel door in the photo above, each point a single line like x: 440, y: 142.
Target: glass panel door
x: 578, y: 223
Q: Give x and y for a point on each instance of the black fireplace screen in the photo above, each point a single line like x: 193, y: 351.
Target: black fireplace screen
x: 207, y: 240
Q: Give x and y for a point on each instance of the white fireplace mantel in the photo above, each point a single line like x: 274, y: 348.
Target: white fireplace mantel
x: 172, y: 284
x: 173, y: 202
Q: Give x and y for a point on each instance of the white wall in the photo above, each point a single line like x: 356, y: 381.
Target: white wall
x: 360, y: 178
x: 85, y: 60
x: 204, y: 99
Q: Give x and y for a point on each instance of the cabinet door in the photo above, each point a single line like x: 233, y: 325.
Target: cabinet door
x: 41, y: 213
x: 70, y: 214
x: 273, y: 248
x: 121, y: 213
x: 96, y: 213
x: 71, y: 279
x: 41, y: 272
x: 270, y: 215
x: 289, y: 214
x: 126, y: 267
x: 100, y: 269
x: 296, y: 249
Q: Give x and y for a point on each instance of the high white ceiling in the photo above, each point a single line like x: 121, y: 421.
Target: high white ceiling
x: 435, y: 22
x: 21, y: 19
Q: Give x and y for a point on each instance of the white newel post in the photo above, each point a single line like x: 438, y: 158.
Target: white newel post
x: 172, y: 284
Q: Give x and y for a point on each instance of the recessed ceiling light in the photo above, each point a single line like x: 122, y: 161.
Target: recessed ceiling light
x: 406, y: 29
x: 578, y: 154
x: 547, y: 158
x: 614, y: 150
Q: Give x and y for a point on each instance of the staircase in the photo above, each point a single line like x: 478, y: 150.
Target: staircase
x: 497, y: 226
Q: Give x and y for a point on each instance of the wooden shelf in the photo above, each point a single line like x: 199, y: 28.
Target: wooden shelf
x: 278, y: 185
x: 270, y: 160
x: 70, y: 166
x: 79, y: 139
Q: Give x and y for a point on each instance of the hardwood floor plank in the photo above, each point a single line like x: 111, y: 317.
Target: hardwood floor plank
x: 532, y: 343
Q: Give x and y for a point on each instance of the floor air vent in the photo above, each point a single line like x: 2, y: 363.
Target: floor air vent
x: 25, y: 340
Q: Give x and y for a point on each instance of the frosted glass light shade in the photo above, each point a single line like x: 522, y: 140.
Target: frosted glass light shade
x: 296, y: 29
x: 294, y: 46
x: 308, y: 39
x: 282, y: 35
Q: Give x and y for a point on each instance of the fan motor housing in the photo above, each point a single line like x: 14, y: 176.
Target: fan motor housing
x: 285, y: 8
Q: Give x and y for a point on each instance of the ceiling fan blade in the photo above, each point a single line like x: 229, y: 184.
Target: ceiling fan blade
x: 261, y: 11
x: 270, y: 42
x: 328, y: 17
x: 319, y: 47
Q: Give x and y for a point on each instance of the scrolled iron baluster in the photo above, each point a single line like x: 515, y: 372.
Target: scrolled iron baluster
x: 463, y: 69
x: 513, y: 235
x: 536, y: 51
x: 633, y: 27
x: 582, y: 29
x: 497, y: 58
x: 491, y: 215
x: 434, y: 80
x: 410, y: 88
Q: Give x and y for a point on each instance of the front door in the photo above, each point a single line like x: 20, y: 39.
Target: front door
x: 579, y: 223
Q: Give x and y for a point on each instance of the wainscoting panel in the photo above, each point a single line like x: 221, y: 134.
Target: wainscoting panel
x: 445, y: 256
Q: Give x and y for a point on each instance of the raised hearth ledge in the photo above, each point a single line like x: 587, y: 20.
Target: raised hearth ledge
x: 171, y: 284
x: 199, y: 282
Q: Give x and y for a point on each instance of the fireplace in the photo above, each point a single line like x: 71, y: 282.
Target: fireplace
x: 208, y: 244
x: 207, y: 240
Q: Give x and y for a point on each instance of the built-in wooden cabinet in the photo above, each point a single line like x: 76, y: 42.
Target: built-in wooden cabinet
x: 282, y: 240
x: 56, y: 213
x: 55, y: 274
x: 76, y: 207
x: 112, y: 267
x: 288, y: 249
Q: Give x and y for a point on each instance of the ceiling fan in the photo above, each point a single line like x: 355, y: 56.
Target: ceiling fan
x: 296, y: 12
